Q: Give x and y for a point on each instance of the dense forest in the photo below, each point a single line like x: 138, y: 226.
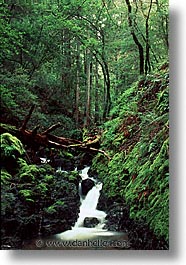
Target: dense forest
x: 84, y: 83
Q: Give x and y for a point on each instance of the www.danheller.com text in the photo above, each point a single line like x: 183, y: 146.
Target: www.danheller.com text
x: 85, y: 243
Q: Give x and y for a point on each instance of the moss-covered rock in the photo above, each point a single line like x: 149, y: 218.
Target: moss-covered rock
x: 11, y: 149
x: 35, y: 199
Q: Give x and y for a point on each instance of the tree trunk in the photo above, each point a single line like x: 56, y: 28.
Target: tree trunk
x: 77, y: 85
x: 96, y: 118
x: 88, y: 101
x: 137, y: 42
x: 66, y: 67
x: 108, y: 97
x: 147, y: 58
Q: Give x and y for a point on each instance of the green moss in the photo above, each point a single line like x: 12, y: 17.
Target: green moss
x: 27, y: 173
x: 139, y: 169
x: 55, y: 208
x: 42, y: 189
x: 73, y: 176
x: 50, y: 210
x: 68, y: 155
x: 11, y: 147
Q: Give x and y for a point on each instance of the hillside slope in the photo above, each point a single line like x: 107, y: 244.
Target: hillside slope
x: 137, y: 139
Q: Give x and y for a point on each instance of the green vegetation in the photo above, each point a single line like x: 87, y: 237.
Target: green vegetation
x: 137, y: 141
x: 33, y: 196
x: 95, y: 67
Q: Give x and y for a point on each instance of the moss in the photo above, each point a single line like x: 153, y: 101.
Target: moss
x: 68, y: 155
x: 26, y: 177
x: 41, y: 189
x: 55, y: 208
x: 27, y: 173
x: 139, y: 143
x: 73, y: 176
x: 50, y: 210
x: 11, y: 148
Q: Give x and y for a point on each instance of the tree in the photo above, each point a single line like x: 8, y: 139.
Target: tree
x: 135, y: 38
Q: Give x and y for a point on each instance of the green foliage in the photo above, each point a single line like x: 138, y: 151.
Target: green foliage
x: 49, y: 179
x: 30, y: 192
x: 5, y: 176
x: 53, y: 209
x: 138, y: 172
x: 26, y: 194
x: 11, y: 147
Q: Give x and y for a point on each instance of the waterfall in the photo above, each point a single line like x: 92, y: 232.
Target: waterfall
x: 88, y: 206
x: 80, y: 232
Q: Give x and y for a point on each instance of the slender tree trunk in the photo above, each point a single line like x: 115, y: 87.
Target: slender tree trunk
x: 66, y: 67
x: 77, y: 85
x: 147, y: 58
x: 96, y: 119
x: 137, y: 42
x: 88, y: 101
x: 107, y: 91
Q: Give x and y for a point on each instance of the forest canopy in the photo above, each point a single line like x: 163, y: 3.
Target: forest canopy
x: 74, y: 58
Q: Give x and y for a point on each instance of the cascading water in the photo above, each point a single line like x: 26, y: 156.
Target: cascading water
x: 88, y: 206
x: 79, y: 232
x: 88, y: 209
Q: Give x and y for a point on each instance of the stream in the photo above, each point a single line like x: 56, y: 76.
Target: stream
x: 80, y: 236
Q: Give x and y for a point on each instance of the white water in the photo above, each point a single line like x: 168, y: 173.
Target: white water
x: 87, y: 209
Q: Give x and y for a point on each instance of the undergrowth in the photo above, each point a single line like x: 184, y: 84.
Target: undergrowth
x: 137, y: 139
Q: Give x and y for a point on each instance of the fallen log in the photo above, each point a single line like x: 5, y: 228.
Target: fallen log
x: 34, y: 139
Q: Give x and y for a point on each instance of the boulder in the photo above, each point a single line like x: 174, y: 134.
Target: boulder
x: 86, y: 185
x: 90, y: 222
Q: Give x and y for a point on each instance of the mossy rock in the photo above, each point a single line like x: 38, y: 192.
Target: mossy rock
x: 71, y: 177
x: 11, y: 147
x: 55, y: 208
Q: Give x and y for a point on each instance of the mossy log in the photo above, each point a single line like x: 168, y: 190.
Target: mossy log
x: 34, y: 139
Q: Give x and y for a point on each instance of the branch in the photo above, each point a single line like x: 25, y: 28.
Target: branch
x: 23, y: 127
x: 101, y: 151
x: 51, y: 128
x: 34, y: 131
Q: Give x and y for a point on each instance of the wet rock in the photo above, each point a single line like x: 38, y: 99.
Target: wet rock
x: 64, y: 164
x: 117, y: 217
x: 139, y: 234
x: 86, y: 185
x: 90, y: 222
x: 84, y: 160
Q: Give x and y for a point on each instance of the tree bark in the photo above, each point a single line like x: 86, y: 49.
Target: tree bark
x: 88, y: 101
x: 137, y: 42
x: 147, y: 59
x: 96, y: 118
x: 77, y: 85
